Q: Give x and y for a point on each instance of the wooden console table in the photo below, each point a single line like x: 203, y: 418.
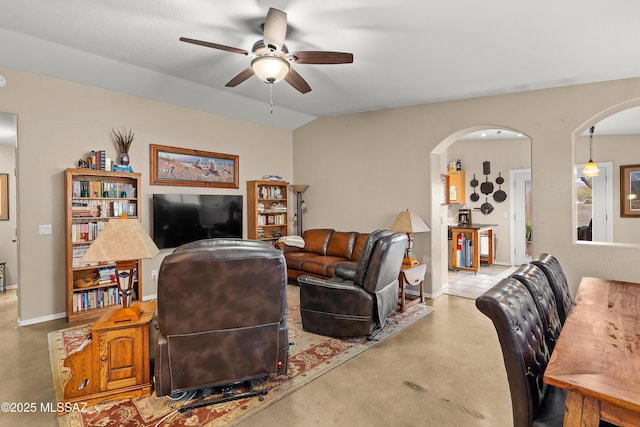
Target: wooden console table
x: 411, y: 276
x: 471, y: 233
x: 114, y: 362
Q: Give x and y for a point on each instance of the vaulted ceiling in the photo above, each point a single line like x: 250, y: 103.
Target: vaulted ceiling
x: 406, y: 52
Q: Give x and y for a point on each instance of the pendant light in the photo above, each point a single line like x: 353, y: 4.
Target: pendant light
x: 591, y: 168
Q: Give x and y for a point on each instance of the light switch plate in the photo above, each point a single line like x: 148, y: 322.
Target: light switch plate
x: 45, y: 228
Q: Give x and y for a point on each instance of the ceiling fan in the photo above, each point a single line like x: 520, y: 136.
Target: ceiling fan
x: 271, y: 58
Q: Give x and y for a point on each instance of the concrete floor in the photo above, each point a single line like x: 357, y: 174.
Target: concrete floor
x: 445, y: 370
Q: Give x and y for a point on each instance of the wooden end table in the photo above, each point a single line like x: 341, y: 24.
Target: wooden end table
x: 114, y: 363
x: 411, y: 276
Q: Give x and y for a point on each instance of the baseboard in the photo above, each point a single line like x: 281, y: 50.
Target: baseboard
x: 41, y: 319
x: 150, y: 297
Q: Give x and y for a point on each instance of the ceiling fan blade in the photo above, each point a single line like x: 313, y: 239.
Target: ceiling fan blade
x: 323, y: 57
x: 244, y: 75
x: 275, y: 29
x: 296, y: 80
x: 214, y: 45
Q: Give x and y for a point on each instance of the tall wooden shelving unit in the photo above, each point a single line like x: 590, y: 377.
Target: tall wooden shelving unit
x: 267, y: 210
x: 91, y: 198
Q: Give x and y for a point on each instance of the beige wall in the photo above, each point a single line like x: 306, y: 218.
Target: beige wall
x: 364, y: 168
x: 8, y: 248
x: 59, y: 122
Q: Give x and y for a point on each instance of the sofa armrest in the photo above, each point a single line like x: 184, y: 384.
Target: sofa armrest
x: 345, y: 270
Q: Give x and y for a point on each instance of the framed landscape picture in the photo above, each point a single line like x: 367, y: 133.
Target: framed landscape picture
x: 630, y: 191
x: 183, y: 166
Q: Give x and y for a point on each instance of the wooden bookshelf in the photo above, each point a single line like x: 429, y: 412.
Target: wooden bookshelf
x: 267, y: 210
x: 92, y: 197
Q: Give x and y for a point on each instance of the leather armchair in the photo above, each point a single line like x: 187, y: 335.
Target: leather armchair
x: 511, y: 308
x: 221, y: 315
x: 357, y: 300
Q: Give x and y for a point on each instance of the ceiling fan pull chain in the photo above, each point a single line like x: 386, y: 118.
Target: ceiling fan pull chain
x: 271, y: 97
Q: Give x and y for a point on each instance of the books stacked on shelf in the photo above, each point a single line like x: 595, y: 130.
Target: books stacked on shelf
x: 260, y: 207
x: 273, y: 178
x: 124, y: 207
x: 77, y: 254
x: 104, y: 189
x: 80, y: 209
x: 270, y: 192
x: 95, y: 298
x: 107, y: 275
x: 86, y: 232
x: 122, y: 168
x: 277, y: 207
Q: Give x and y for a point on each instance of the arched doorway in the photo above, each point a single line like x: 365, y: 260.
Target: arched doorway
x: 504, y: 149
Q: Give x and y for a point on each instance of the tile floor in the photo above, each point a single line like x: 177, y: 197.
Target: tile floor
x: 466, y: 284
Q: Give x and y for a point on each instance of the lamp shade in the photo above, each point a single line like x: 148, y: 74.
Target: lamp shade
x: 591, y: 169
x: 409, y: 222
x: 121, y: 240
x: 270, y: 69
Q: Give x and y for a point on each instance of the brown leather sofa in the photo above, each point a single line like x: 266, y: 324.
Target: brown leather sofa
x: 221, y: 315
x: 324, y: 248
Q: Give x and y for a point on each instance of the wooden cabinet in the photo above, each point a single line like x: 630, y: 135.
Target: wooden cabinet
x: 114, y: 363
x: 465, y: 246
x: 267, y: 210
x: 456, y: 188
x: 91, y: 198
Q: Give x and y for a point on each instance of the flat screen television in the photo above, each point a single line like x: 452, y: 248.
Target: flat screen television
x: 183, y: 218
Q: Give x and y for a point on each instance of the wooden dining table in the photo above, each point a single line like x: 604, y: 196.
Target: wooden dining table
x: 597, y: 355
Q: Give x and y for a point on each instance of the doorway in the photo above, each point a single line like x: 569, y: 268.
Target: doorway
x: 8, y: 227
x: 522, y: 218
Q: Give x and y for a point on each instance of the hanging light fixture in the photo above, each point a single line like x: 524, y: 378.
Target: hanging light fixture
x: 591, y: 168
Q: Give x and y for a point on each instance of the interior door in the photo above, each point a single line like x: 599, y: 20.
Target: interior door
x: 522, y: 218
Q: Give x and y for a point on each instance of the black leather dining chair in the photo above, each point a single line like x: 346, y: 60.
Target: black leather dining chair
x: 511, y: 308
x: 558, y: 281
x: 534, y: 279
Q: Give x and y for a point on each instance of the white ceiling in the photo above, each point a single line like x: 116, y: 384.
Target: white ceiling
x: 406, y: 52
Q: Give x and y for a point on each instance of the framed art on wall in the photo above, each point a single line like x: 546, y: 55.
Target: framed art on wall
x: 183, y: 166
x: 630, y: 190
x: 4, y: 196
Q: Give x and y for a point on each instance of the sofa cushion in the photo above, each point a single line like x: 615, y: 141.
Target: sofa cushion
x: 320, y: 264
x: 317, y: 240
x: 341, y: 244
x: 358, y: 245
x: 294, y: 259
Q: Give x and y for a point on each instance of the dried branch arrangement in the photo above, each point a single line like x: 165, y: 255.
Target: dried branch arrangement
x: 122, y: 139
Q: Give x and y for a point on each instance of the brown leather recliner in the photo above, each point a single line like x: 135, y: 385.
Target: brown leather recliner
x: 221, y: 315
x: 360, y: 297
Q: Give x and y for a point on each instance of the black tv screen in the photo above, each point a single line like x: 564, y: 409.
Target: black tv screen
x: 184, y: 218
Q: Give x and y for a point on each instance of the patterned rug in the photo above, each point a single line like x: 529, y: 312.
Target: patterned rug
x: 310, y: 357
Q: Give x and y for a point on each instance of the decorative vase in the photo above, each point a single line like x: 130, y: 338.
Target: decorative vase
x: 123, y: 159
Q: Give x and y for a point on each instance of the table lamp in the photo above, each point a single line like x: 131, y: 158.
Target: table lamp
x: 122, y: 241
x: 409, y: 222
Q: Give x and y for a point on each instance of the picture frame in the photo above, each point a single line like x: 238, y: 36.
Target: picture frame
x: 4, y: 196
x: 196, y: 168
x: 630, y: 191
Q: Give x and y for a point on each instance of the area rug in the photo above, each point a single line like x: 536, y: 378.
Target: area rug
x: 310, y: 357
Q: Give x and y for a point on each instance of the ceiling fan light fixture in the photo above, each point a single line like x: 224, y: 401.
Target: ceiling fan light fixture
x: 269, y: 68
